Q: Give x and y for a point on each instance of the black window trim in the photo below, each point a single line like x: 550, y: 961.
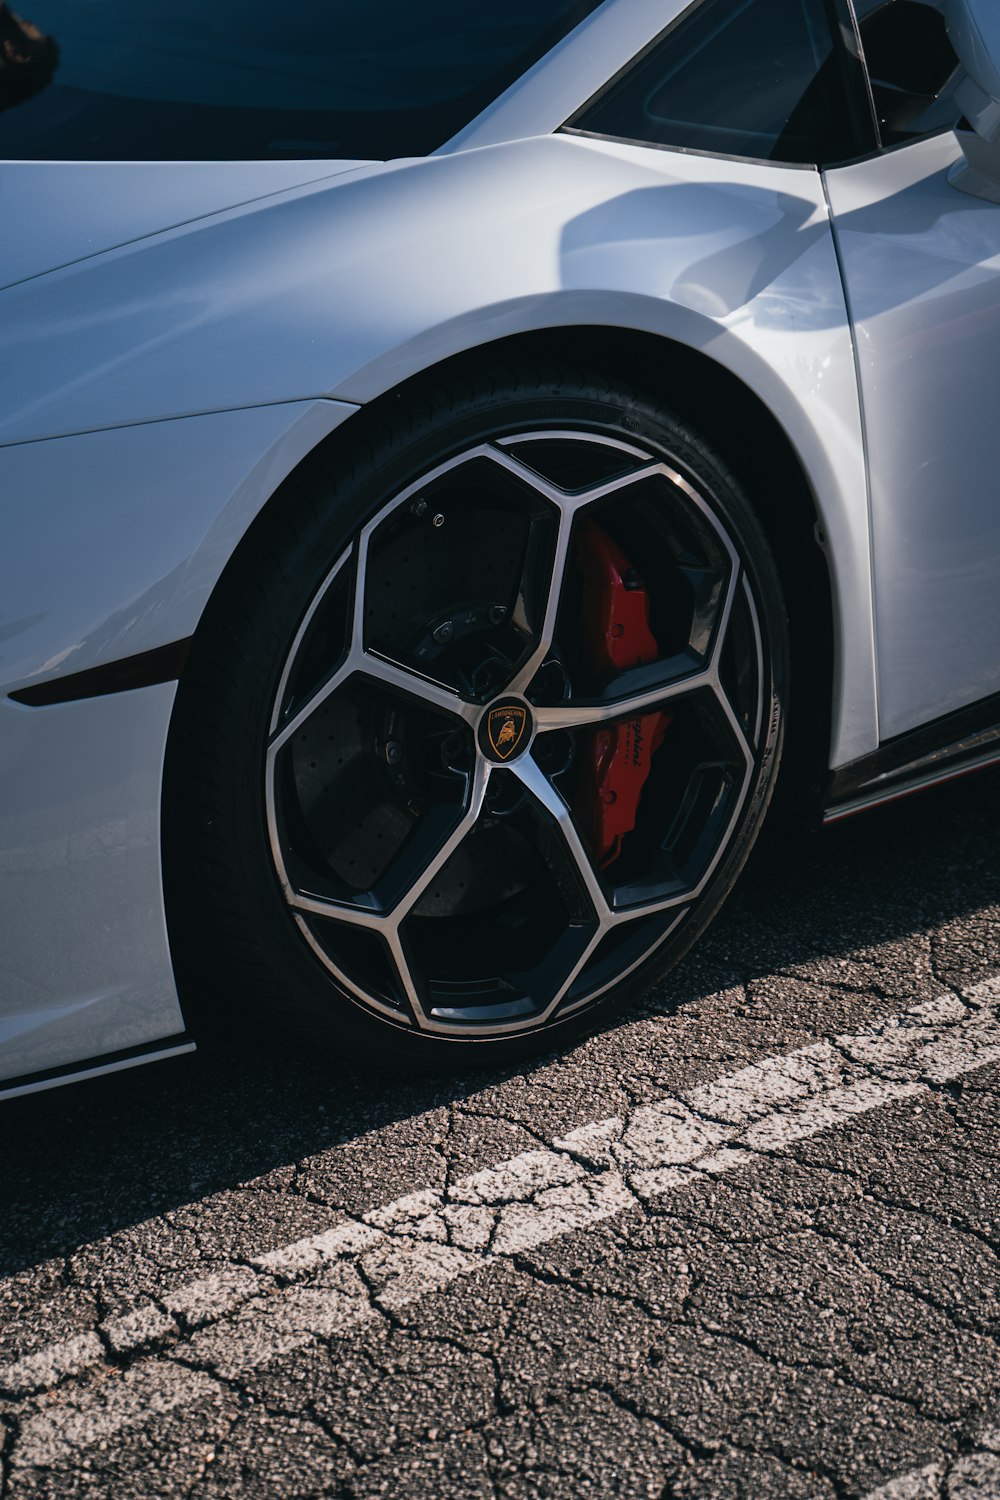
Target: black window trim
x: 751, y: 161
x: 893, y: 146
x: 856, y: 85
x: 852, y: 12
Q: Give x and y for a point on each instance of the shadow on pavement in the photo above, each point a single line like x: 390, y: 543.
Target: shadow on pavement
x: 81, y: 1162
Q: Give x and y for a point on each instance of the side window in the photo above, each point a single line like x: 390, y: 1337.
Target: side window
x: 911, y: 67
x: 755, y: 78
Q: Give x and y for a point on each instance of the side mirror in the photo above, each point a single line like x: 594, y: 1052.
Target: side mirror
x: 974, y: 32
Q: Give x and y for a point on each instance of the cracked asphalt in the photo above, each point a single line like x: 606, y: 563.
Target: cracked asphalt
x: 744, y: 1243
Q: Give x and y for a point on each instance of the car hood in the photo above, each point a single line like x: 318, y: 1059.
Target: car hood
x: 58, y: 212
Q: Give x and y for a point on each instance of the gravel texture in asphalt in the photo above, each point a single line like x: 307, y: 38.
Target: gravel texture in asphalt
x: 743, y: 1243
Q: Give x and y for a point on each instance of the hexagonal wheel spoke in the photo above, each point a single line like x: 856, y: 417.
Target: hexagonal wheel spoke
x: 370, y: 664
x: 551, y: 573
x: 544, y: 569
x: 423, y: 689
x: 384, y: 909
x: 417, y: 874
x: 551, y: 980
x: 424, y: 853
x: 636, y: 699
x: 467, y: 877
x: 534, y: 780
x: 639, y: 689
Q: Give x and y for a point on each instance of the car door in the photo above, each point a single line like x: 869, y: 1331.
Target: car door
x: 921, y: 266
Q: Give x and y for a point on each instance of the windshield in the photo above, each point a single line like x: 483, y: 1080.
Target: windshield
x: 243, y: 80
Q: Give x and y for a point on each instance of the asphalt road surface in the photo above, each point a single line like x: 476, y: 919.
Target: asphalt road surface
x: 745, y: 1243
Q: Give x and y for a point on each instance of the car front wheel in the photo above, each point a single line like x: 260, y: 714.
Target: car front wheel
x: 480, y: 724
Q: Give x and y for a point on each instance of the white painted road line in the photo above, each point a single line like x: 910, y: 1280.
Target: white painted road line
x: 973, y: 1476
x: 333, y: 1282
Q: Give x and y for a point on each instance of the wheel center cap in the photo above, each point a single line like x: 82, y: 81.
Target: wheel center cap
x: 505, y: 729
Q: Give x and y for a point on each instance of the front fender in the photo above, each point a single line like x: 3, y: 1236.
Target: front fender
x: 343, y: 290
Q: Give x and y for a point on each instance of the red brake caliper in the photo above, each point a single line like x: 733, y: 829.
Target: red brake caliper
x: 616, y: 636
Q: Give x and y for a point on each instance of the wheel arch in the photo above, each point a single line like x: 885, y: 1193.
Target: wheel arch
x: 753, y: 443
x: 218, y: 833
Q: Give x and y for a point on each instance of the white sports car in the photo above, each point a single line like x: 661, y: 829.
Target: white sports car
x: 449, y: 455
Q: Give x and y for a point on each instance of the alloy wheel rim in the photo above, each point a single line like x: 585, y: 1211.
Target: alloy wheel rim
x: 378, y: 931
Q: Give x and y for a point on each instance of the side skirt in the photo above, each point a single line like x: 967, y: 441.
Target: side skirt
x: 114, y: 1062
x: 965, y: 741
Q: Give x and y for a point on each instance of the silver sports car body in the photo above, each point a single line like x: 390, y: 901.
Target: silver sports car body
x: 448, y: 457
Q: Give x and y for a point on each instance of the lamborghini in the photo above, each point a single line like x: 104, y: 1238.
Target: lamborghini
x: 452, y: 459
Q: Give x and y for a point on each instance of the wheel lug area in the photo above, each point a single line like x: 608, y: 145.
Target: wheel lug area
x: 488, y: 677
x: 553, y: 753
x: 457, y: 752
x: 551, y: 683
x: 505, y: 795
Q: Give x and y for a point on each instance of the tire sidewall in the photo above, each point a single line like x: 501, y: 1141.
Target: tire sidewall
x: 252, y: 619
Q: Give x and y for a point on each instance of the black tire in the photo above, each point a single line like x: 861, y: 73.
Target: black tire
x: 252, y: 836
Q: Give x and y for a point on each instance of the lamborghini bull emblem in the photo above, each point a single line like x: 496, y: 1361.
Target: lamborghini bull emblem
x: 505, y: 729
